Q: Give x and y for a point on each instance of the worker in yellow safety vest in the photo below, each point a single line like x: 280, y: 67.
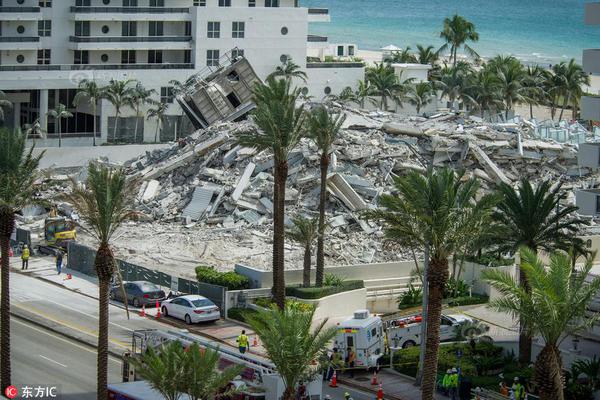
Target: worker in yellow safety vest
x: 453, y: 384
x: 518, y: 389
x: 243, y: 342
x: 25, y: 257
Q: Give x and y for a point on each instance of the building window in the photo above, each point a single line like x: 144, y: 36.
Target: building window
x: 212, y: 58
x: 130, y: 3
x: 238, y: 29
x: 224, y: 3
x: 271, y: 3
x: 597, y: 204
x: 284, y: 30
x: 20, y: 58
x: 350, y: 50
x: 235, y: 53
x: 284, y: 58
x: 327, y: 90
x: 106, y: 2
x: 43, y: 57
x: 20, y: 29
x: 188, y: 28
x: 45, y: 3
x: 104, y: 57
x: 82, y: 28
x: 44, y: 27
x: 129, y: 28
x: 155, y: 57
x: 20, y: 1
x: 187, y: 56
x: 166, y: 94
x: 82, y: 3
x: 127, y: 56
x: 200, y: 3
x: 81, y: 57
x: 155, y: 28
x: 157, y: 3
x: 340, y: 51
x: 251, y: 3
x: 105, y: 29
x: 304, y: 91
x: 214, y: 30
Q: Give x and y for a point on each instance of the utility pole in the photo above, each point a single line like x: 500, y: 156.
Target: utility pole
x: 424, y: 313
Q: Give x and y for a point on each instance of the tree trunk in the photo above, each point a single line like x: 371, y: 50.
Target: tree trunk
x: 7, y: 224
x: 437, y: 278
x: 137, y: 119
x: 104, y: 265
x: 156, y: 131
x: 321, y: 239
x: 59, y: 133
x: 289, y: 393
x: 95, y: 110
x: 562, y: 110
x: 530, y: 111
x: 115, y: 127
x: 281, y: 171
x: 306, y: 270
x: 548, y: 374
x: 524, y: 336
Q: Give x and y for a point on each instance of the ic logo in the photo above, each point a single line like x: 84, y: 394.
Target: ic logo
x: 11, y: 392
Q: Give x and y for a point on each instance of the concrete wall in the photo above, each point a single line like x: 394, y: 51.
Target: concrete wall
x: 336, y: 79
x: 588, y: 155
x: 586, y: 201
x: 339, y: 306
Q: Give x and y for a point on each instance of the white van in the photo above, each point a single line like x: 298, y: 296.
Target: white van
x: 406, y: 332
x: 364, y: 334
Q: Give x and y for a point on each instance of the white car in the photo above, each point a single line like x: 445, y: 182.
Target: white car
x: 191, y: 308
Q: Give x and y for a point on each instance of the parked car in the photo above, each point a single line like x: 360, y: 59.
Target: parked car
x: 138, y: 293
x: 191, y: 308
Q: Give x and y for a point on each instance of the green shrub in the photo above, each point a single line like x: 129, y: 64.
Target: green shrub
x: 240, y: 314
x: 412, y: 297
x: 318, y: 292
x: 267, y: 302
x: 491, y: 260
x: 456, y: 288
x: 333, y: 280
x: 466, y: 301
x: 231, y: 280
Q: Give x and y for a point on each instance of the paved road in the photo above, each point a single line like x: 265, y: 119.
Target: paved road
x: 42, y: 357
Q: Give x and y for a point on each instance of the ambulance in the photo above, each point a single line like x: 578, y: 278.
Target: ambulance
x: 363, y: 333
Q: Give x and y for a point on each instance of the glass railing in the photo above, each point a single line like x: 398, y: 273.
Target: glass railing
x: 19, y: 9
x: 318, y: 11
x: 16, y: 39
x: 335, y: 64
x: 101, y: 39
x: 91, y: 67
x: 135, y: 10
x: 316, y: 38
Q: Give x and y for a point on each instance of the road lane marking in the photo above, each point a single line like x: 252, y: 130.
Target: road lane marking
x: 58, y: 337
x: 72, y: 326
x: 51, y: 360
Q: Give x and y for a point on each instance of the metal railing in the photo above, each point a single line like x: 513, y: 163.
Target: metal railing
x: 92, y: 67
x: 19, y: 39
x: 20, y: 9
x: 335, y: 64
x: 130, y: 10
x: 318, y: 11
x: 125, y: 39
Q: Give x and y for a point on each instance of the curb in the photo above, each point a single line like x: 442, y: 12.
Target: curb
x: 63, y: 331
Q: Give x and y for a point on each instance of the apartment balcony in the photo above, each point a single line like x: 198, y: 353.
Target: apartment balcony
x: 592, y: 13
x: 130, y: 42
x: 20, y: 43
x: 318, y: 15
x: 590, y: 108
x: 591, y: 61
x: 20, y: 13
x: 130, y: 13
x: 91, y: 67
x: 335, y: 64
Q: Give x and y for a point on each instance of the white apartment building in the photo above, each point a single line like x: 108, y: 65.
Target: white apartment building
x: 48, y: 46
x: 590, y: 106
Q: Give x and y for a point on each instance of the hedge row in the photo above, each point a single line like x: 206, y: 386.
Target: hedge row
x: 231, y: 280
x: 454, y: 302
x: 240, y: 314
x: 318, y: 292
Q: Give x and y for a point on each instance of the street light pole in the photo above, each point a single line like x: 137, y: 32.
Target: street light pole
x: 424, y: 313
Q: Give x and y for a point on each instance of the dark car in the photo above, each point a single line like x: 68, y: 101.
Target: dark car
x: 138, y: 293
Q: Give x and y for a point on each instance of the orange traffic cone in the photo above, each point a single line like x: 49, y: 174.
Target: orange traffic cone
x: 380, y: 392
x: 69, y: 276
x: 143, y: 311
x: 157, y: 310
x: 334, y: 380
x: 374, y: 379
x: 255, y: 341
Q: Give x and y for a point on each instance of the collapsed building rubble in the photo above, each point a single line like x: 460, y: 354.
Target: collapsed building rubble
x: 208, y: 199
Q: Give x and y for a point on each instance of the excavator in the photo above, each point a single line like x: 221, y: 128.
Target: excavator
x: 58, y: 232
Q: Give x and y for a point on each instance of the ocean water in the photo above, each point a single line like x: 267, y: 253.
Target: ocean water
x: 543, y: 31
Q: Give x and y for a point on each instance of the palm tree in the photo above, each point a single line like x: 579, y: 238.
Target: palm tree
x: 363, y: 92
x: 439, y: 210
x: 453, y: 81
x: 103, y: 204
x: 58, y: 114
x: 532, y: 218
x: 140, y: 96
x: 163, y: 369
x: 511, y: 75
x: 571, y: 77
x: 88, y: 90
x: 35, y: 130
x: 534, y: 84
x: 281, y: 126
x: 304, y: 231
x: 158, y: 112
x: 386, y: 84
x: 426, y: 55
x: 324, y: 128
x: 345, y: 96
x: 289, y: 70
x: 287, y: 338
x: 484, y: 89
x: 457, y: 32
x: 554, y: 308
x: 403, y: 56
x: 119, y: 93
x: 420, y: 95
x: 3, y: 104
x: 18, y: 172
